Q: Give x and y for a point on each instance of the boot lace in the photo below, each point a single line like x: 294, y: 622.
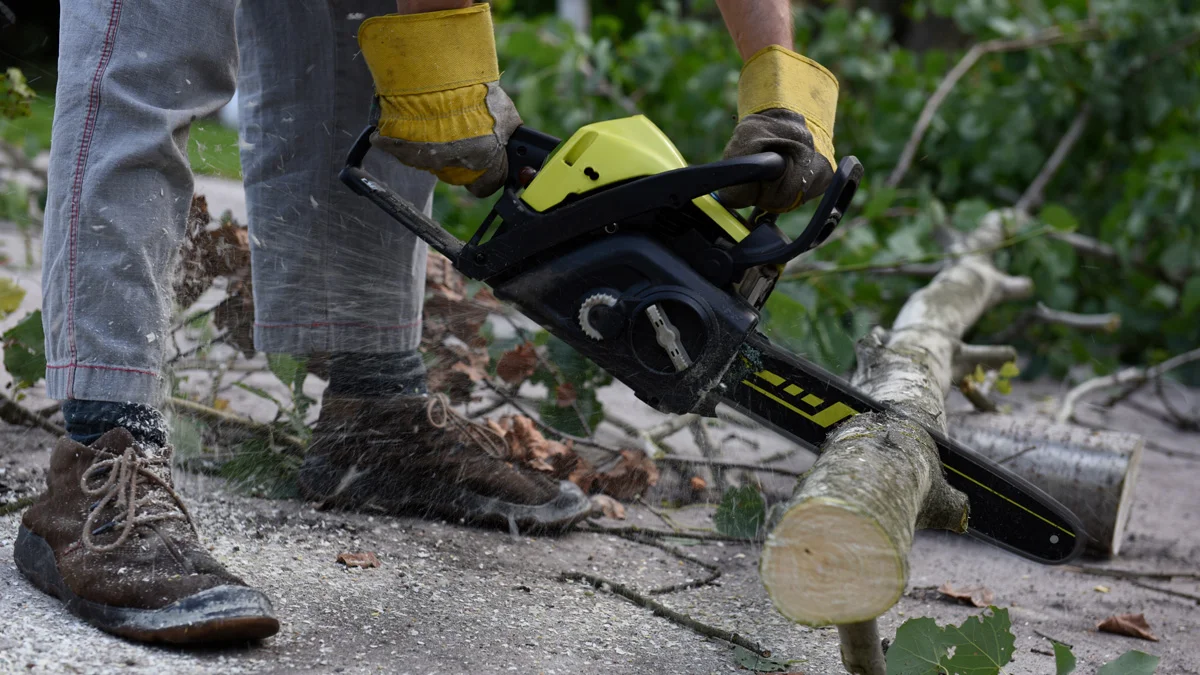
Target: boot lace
x: 442, y: 415
x: 122, y: 476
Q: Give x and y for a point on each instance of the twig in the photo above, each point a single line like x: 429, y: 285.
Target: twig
x: 714, y: 572
x: 687, y: 534
x: 49, y: 410
x: 221, y: 417
x: 804, y: 265
x: 668, y: 426
x: 878, y: 267
x: 1087, y: 245
x: 1169, y: 591
x: 1103, y: 323
x: 710, y: 451
x: 1054, y: 639
x: 198, y: 315
x: 666, y: 612
x: 978, y: 398
x: 1128, y: 375
x: 1129, y: 574
x: 667, y: 520
x: 1034, y: 193
x: 1051, y: 36
x: 15, y: 506
x: 579, y: 440
x: 1179, y: 419
x: 15, y: 412
x: 693, y: 461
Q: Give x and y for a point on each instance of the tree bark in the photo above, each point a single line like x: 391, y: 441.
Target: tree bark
x: 839, y: 553
x: 1090, y: 472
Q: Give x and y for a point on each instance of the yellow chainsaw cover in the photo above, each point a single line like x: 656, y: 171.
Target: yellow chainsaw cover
x: 606, y: 153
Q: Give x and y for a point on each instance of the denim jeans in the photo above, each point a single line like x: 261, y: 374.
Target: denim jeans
x: 331, y: 271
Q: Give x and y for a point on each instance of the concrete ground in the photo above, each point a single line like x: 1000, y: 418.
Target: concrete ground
x: 452, y: 599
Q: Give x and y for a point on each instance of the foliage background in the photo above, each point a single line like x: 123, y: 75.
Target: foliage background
x: 1131, y: 181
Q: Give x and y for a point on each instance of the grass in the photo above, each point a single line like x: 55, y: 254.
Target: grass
x: 212, y: 148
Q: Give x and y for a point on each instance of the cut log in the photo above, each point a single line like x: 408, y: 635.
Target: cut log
x: 1090, y: 472
x: 839, y: 552
x: 850, y: 525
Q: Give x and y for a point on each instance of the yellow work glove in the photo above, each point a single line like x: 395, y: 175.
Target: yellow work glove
x: 440, y: 106
x: 786, y: 104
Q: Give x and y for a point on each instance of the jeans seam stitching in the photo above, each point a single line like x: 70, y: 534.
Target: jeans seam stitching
x: 85, y: 142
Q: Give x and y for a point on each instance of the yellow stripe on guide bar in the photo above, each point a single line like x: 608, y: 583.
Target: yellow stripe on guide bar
x: 831, y: 415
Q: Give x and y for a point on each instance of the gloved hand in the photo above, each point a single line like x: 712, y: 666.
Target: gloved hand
x: 440, y: 105
x: 786, y: 104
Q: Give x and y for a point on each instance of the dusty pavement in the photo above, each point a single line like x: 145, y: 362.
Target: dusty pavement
x: 450, y: 599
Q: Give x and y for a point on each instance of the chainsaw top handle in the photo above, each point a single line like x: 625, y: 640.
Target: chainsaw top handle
x: 525, y: 232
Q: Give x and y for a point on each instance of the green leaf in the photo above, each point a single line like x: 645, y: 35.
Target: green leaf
x: 1064, y: 659
x: 983, y: 642
x: 920, y: 648
x: 25, y: 350
x: 759, y: 664
x: 1009, y: 370
x: 286, y: 367
x: 1059, y: 218
x: 982, y: 645
x: 741, y: 513
x: 259, y: 392
x: 1190, y: 301
x: 1003, y: 387
x: 1131, y: 662
x: 11, y: 295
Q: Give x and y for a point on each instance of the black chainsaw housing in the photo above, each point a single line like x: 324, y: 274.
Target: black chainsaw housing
x: 637, y: 270
x: 642, y: 242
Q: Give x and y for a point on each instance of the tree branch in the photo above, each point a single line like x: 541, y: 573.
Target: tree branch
x: 15, y: 413
x: 1034, y: 193
x: 221, y: 417
x: 1082, y: 31
x: 1127, y: 376
x: 666, y: 612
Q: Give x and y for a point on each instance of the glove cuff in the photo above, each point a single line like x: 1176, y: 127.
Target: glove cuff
x: 430, y: 51
x: 780, y: 78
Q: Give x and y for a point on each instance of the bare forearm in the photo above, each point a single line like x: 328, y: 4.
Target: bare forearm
x: 755, y: 24
x: 418, y: 6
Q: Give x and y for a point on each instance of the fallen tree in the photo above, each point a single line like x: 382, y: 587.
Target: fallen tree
x: 839, y: 553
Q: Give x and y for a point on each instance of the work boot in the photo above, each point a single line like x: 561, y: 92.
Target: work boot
x: 112, y: 539
x: 417, y: 455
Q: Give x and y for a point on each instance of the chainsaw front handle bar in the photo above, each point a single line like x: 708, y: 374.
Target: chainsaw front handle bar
x: 541, y: 231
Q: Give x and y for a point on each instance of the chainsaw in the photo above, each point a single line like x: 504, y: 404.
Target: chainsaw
x: 615, y: 245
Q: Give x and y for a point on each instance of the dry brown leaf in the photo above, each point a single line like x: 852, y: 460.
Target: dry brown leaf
x: 610, y: 507
x: 979, y: 596
x: 583, y: 475
x: 565, y: 395
x: 629, y: 477
x: 698, y: 483
x: 518, y: 363
x: 1133, y: 625
x: 366, y: 559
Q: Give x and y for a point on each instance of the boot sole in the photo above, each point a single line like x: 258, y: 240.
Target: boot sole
x: 216, y: 615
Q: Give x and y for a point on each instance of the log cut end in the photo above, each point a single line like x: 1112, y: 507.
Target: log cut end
x: 828, y: 563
